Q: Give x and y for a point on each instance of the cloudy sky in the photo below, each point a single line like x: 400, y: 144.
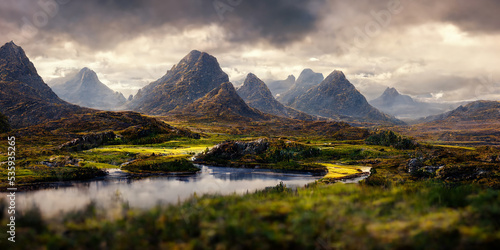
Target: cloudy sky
x: 446, y: 50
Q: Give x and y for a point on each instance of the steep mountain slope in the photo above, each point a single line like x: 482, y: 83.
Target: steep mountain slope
x: 280, y: 87
x: 256, y: 94
x: 24, y: 97
x: 196, y: 75
x: 404, y: 107
x: 86, y: 90
x: 306, y: 80
x: 222, y: 103
x: 337, y: 98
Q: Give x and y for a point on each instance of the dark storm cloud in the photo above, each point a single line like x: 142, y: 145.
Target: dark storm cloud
x: 101, y: 24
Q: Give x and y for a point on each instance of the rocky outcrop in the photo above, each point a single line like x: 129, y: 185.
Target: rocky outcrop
x: 88, y: 141
x: 232, y: 150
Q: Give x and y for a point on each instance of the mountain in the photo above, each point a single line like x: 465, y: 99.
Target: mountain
x: 24, y: 96
x: 257, y: 95
x: 404, y: 107
x: 306, y: 80
x: 478, y: 111
x: 222, y: 103
x: 280, y: 87
x: 192, y: 78
x: 85, y: 89
x: 337, y: 98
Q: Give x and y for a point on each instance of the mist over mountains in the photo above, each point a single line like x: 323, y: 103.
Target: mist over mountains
x: 405, y: 107
x: 85, y: 89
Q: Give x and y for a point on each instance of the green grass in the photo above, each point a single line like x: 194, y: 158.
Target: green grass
x: 428, y: 215
x: 336, y: 171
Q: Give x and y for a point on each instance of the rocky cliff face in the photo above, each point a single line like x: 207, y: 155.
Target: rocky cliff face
x: 85, y: 89
x: 337, y: 98
x: 192, y: 78
x: 306, y: 80
x: 24, y: 96
x: 256, y: 94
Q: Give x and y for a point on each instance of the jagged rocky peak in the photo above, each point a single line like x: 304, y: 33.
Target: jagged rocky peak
x: 309, y: 77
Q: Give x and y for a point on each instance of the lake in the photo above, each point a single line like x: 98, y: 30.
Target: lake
x: 143, y: 193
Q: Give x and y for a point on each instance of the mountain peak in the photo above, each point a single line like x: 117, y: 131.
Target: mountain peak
x: 391, y: 92
x: 307, y: 79
x: 337, y: 74
x: 87, y: 75
x: 193, y: 77
x: 13, y: 53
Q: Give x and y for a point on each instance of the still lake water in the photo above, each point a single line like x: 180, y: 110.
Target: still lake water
x: 148, y: 192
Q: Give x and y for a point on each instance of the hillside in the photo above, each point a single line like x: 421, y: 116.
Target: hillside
x: 306, y: 80
x: 257, y: 95
x: 24, y: 96
x: 478, y: 111
x: 192, y: 78
x: 85, y: 89
x: 477, y: 123
x: 337, y: 98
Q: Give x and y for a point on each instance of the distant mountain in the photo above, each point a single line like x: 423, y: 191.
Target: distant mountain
x: 337, y: 98
x: 222, y: 103
x: 280, y: 87
x: 196, y: 75
x: 24, y: 96
x: 257, y: 95
x: 404, y: 107
x: 478, y: 111
x: 306, y: 80
x: 85, y: 89
x: 392, y: 97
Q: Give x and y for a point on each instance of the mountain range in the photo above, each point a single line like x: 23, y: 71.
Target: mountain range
x: 306, y: 80
x: 404, y: 107
x: 257, y: 95
x: 24, y: 96
x: 85, y: 89
x: 336, y: 98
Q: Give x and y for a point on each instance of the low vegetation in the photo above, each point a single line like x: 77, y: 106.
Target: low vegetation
x: 424, y: 215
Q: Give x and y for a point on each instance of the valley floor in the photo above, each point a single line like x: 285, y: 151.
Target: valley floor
x: 417, y: 196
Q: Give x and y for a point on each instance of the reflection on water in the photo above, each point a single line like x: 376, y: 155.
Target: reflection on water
x: 148, y: 192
